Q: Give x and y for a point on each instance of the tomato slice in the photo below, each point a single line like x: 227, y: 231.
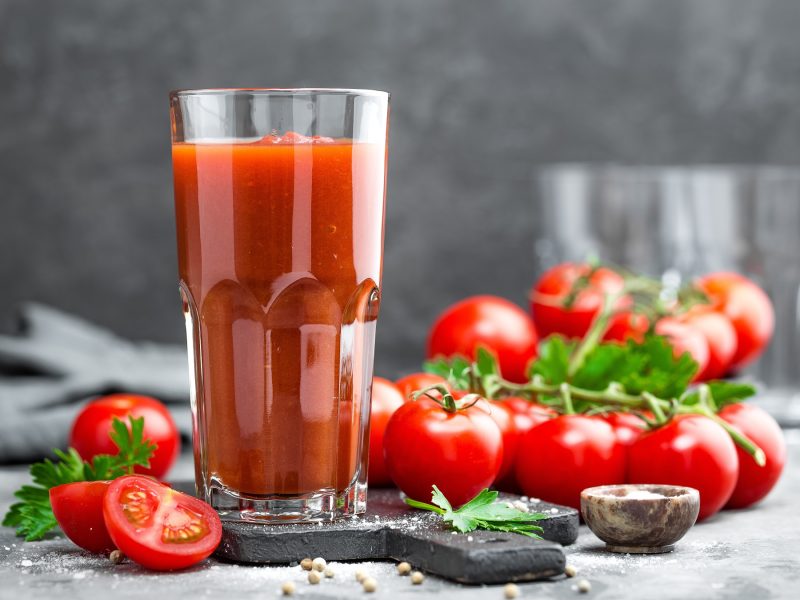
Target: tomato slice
x: 78, y: 508
x: 158, y: 527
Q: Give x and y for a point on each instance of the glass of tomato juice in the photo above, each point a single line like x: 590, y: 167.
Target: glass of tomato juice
x: 279, y: 198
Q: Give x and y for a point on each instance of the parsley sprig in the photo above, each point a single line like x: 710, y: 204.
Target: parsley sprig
x: 33, y: 516
x: 482, y: 512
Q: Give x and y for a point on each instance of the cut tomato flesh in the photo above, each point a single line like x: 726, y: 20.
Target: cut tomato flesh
x: 158, y: 527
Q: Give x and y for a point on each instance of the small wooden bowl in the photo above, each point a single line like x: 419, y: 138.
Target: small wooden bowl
x: 640, y: 518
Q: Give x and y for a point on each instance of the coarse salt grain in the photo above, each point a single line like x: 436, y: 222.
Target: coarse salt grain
x: 643, y: 495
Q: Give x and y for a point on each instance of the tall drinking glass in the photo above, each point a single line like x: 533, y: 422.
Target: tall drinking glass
x: 279, y: 198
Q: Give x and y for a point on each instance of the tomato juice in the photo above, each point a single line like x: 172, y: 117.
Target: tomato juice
x: 279, y: 247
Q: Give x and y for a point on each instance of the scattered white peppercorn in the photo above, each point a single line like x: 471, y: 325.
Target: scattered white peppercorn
x: 570, y: 571
x: 521, y: 506
x: 511, y: 590
x: 328, y: 572
x: 116, y: 557
x: 288, y: 588
x: 319, y: 564
x: 417, y: 578
x: 314, y: 577
x: 584, y: 587
x: 369, y: 585
x: 403, y: 568
x: 361, y: 575
x: 306, y: 564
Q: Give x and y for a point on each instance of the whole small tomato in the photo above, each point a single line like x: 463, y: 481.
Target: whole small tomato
x: 755, y: 482
x: 526, y: 413
x: 685, y: 338
x: 458, y: 449
x: 559, y: 458
x: 78, y: 508
x: 625, y: 326
x: 386, y: 399
x: 552, y: 289
x: 627, y: 427
x: 417, y: 381
x: 494, y: 323
x: 90, y: 431
x: 720, y: 337
x: 749, y: 309
x: 690, y: 450
x: 503, y: 416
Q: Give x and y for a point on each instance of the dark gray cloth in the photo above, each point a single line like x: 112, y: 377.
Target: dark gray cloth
x: 56, y: 362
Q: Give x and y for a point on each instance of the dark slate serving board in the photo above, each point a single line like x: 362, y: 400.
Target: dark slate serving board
x: 392, y: 530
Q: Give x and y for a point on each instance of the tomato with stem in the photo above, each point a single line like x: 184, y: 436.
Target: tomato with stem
x: 386, y: 399
x: 754, y: 482
x: 453, y: 444
x: 690, y: 450
x: 158, y: 527
x: 78, y: 508
x: 491, y: 322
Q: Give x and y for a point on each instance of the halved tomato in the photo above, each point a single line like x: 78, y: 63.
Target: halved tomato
x: 78, y: 508
x: 158, y: 527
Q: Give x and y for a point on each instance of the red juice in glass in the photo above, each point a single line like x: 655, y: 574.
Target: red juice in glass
x: 280, y: 244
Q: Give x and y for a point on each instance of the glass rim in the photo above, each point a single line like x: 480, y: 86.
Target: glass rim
x: 277, y: 91
x: 658, y: 172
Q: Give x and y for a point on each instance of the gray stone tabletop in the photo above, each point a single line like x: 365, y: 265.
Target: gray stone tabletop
x: 748, y: 554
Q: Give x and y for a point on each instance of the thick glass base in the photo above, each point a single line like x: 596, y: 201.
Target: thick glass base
x: 319, y: 506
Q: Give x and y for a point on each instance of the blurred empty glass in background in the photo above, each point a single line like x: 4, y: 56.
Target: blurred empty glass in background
x: 687, y: 221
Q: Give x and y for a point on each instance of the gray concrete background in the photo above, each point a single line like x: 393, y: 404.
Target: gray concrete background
x: 747, y: 554
x: 482, y: 92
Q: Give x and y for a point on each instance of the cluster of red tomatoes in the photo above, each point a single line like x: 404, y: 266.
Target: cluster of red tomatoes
x: 517, y: 445
x: 723, y: 335
x: 149, y: 522
x: 520, y: 446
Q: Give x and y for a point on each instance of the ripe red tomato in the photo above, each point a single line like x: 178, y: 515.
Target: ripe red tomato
x: 550, y: 291
x: 749, y: 309
x: 78, y: 508
x: 627, y: 325
x: 721, y: 338
x: 417, y: 381
x: 755, y: 482
x: 684, y: 338
x: 503, y: 416
x: 527, y: 414
x: 460, y: 452
x: 89, y: 435
x: 627, y: 427
x: 386, y: 399
x: 690, y: 450
x: 559, y: 458
x: 495, y: 323
x: 158, y: 527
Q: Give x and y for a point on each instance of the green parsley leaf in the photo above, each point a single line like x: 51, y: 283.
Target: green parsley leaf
x: 482, y: 512
x: 33, y: 516
x: 553, y: 361
x: 723, y: 393
x: 455, y: 370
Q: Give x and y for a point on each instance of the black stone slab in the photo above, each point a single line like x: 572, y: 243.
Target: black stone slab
x: 391, y: 530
